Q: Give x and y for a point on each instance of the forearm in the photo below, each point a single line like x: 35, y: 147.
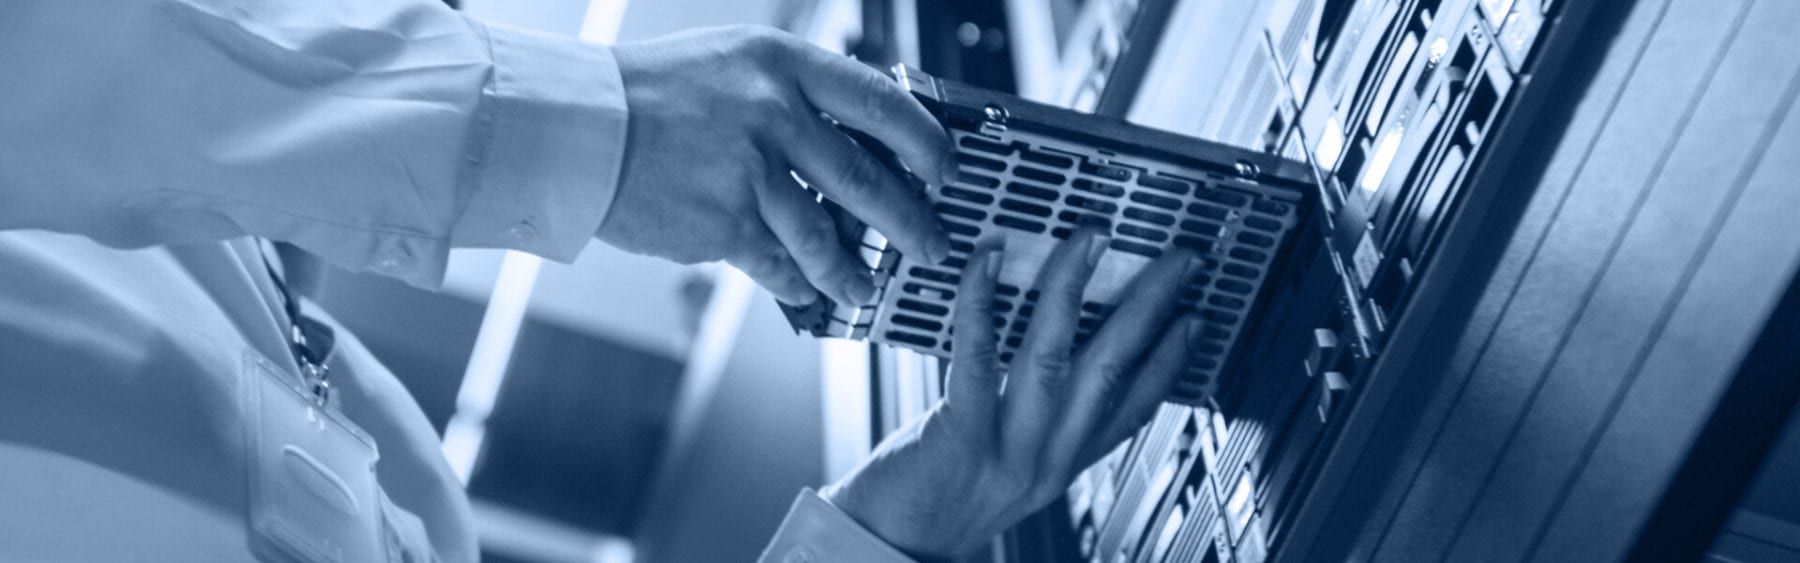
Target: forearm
x: 376, y: 134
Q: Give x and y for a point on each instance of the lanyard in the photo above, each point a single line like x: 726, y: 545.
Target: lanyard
x: 310, y: 339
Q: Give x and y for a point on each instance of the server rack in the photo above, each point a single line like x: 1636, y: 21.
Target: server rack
x: 1432, y: 130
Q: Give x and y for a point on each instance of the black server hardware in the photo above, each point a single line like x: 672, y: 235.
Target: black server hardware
x: 1031, y: 174
x: 1423, y: 129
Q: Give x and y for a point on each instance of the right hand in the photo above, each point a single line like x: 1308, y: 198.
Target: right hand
x: 719, y: 119
x: 990, y: 453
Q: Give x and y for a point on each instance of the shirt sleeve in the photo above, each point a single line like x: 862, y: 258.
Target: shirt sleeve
x: 814, y: 531
x: 377, y: 134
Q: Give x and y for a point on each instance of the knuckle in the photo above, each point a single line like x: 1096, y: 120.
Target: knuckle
x: 1052, y: 368
x: 857, y: 178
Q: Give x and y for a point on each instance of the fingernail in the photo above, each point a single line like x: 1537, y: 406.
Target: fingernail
x: 939, y: 250
x: 862, y: 291
x: 994, y: 261
x: 1096, y: 248
x: 1194, y: 327
x: 1191, y: 267
x: 807, y: 300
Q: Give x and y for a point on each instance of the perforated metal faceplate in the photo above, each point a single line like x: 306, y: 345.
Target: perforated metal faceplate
x: 1025, y: 186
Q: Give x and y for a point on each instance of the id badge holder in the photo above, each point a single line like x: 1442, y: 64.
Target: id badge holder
x: 314, y: 497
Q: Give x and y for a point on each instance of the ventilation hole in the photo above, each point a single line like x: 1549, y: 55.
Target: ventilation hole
x: 1242, y: 271
x: 1255, y: 239
x: 1148, y: 216
x: 1014, y: 341
x: 1212, y: 332
x: 1002, y: 306
x: 1061, y: 232
x: 1209, y: 211
x: 1025, y: 207
x: 934, y: 275
x: 955, y: 262
x: 981, y: 162
x: 1154, y: 200
x: 966, y: 195
x: 1194, y: 242
x: 1233, y: 286
x: 1113, y: 173
x: 1249, y: 255
x: 1006, y: 290
x: 1170, y: 185
x: 1232, y: 199
x: 922, y: 307
x: 1032, y: 295
x: 1204, y: 363
x: 983, y: 145
x: 1039, y: 175
x: 977, y: 180
x: 1046, y: 159
x: 1095, y: 308
x: 1028, y: 190
x: 1210, y: 348
x: 961, y: 229
x: 1087, y: 323
x: 955, y: 210
x: 1226, y: 301
x: 919, y: 340
x: 1203, y: 228
x: 1151, y: 235
x: 916, y: 322
x: 1091, y: 204
x: 1101, y: 188
x: 949, y: 346
x: 1275, y: 208
x: 1262, y: 223
x: 1140, y: 249
x: 1084, y: 219
x: 928, y: 292
x: 1022, y: 224
x: 1026, y: 311
x: 1006, y: 357
x: 962, y: 246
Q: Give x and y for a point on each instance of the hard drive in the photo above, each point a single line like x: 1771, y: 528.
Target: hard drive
x: 1031, y: 174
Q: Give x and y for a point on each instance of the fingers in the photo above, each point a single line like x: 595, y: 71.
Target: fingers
x: 1106, y: 361
x: 974, y: 387
x: 869, y: 100
x: 769, y: 263
x: 1155, y: 376
x: 850, y: 176
x: 811, y: 238
x: 1038, y: 377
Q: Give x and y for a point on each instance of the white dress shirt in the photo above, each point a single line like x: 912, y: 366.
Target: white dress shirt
x: 376, y: 134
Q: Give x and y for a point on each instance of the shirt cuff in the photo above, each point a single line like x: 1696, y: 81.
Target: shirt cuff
x: 814, y: 530
x: 555, y: 112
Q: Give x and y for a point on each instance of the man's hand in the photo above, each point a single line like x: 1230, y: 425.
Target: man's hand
x: 720, y: 118
x: 986, y: 457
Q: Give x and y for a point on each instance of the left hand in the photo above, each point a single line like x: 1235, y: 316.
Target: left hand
x: 721, y: 119
x: 984, y: 458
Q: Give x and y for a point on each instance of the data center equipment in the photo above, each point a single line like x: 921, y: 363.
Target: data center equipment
x: 1386, y: 368
x: 1032, y: 174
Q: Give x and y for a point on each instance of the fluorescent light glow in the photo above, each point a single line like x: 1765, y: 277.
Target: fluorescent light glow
x: 1384, y: 159
x: 845, y: 386
x: 507, y: 304
x: 462, y: 446
x: 601, y: 24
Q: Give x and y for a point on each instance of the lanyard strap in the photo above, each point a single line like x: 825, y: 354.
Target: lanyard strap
x: 311, y: 340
